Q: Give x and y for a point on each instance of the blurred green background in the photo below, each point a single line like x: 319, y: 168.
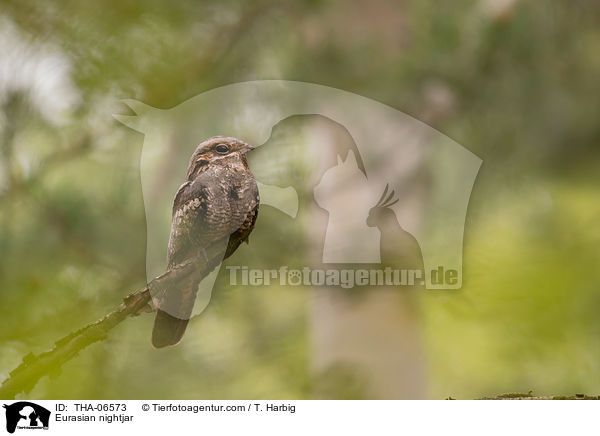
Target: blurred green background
x: 515, y: 82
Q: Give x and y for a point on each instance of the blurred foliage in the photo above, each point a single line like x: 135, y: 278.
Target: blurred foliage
x: 516, y: 82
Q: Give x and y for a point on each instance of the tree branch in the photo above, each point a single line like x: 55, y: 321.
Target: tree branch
x: 34, y: 367
x: 530, y: 396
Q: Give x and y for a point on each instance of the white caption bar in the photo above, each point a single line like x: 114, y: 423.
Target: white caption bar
x: 297, y: 417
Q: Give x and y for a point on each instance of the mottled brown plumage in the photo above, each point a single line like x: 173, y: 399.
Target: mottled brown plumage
x: 218, y: 203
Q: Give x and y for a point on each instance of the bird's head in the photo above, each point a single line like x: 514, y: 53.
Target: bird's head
x: 382, y: 212
x: 221, y: 151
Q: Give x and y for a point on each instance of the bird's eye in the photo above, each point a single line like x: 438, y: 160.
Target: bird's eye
x: 222, y: 148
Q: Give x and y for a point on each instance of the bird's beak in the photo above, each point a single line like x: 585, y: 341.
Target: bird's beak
x: 247, y: 147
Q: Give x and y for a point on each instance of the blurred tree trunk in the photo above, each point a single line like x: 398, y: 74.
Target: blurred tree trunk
x: 374, y: 342
x: 365, y: 342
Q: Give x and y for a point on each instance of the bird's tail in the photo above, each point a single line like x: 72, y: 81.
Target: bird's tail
x: 174, y: 309
x: 167, y: 330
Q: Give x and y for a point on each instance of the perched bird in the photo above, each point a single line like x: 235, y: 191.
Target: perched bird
x: 218, y: 202
x: 398, y: 247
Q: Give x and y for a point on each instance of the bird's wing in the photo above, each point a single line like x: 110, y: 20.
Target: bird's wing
x: 243, y: 232
x: 188, y: 222
x: 175, y: 303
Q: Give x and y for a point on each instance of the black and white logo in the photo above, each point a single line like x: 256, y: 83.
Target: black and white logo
x: 26, y: 415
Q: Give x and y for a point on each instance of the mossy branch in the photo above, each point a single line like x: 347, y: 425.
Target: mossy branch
x: 34, y: 367
x: 530, y: 396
